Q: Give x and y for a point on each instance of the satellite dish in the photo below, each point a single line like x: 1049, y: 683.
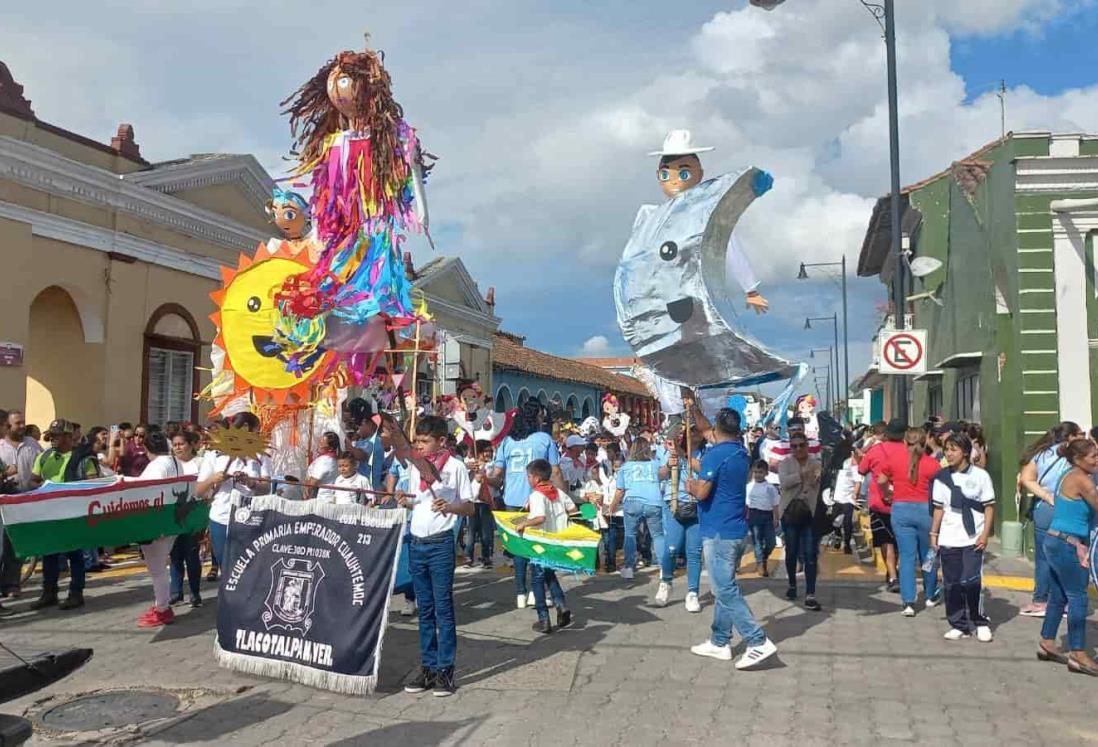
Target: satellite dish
x: 923, y: 266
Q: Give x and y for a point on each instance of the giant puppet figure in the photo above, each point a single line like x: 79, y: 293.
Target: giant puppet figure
x: 673, y: 269
x: 314, y: 311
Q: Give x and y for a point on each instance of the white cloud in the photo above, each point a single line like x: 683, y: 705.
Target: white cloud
x: 598, y: 345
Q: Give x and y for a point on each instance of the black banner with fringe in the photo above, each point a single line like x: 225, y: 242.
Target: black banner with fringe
x: 305, y: 591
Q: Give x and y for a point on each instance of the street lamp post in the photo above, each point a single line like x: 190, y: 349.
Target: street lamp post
x: 827, y: 380
x: 898, y: 296
x: 832, y: 382
x: 834, y: 319
x: 803, y: 275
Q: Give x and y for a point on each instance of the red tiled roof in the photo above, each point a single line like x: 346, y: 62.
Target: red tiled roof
x: 620, y: 362
x: 510, y: 353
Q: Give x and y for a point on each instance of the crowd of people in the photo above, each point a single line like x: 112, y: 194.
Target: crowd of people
x: 697, y: 493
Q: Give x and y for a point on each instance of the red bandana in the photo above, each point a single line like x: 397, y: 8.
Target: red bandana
x: 548, y: 490
x: 438, y: 459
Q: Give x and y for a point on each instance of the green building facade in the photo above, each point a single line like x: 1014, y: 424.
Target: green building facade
x: 1011, y: 313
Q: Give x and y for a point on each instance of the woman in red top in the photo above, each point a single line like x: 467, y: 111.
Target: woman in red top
x: 908, y: 471
x: 880, y: 506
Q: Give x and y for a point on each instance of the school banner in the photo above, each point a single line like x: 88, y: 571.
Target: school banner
x: 305, y: 591
x: 104, y: 512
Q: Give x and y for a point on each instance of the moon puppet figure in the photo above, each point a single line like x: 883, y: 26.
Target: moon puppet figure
x: 671, y: 277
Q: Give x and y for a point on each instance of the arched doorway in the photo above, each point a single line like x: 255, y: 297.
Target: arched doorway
x: 64, y: 371
x: 543, y: 397
x: 588, y: 408
x: 570, y: 408
x: 169, y: 377
x: 523, y: 396
x: 504, y: 401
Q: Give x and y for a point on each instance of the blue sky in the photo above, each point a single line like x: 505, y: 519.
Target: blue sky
x: 542, y: 113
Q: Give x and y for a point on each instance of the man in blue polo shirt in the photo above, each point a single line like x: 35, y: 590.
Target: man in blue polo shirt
x: 721, y: 490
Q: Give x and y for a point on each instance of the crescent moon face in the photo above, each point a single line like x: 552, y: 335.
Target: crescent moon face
x: 671, y: 275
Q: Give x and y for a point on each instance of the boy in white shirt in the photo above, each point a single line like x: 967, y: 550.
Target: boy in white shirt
x: 762, y: 514
x: 350, y: 478
x: 436, y: 507
x: 548, y: 509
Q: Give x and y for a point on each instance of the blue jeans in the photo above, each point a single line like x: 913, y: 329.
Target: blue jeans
x: 521, y: 564
x: 219, y: 534
x: 432, y: 567
x: 678, y: 537
x: 184, y: 556
x: 483, y: 524
x: 612, y: 536
x: 1042, y: 518
x: 51, y: 571
x: 635, y: 510
x: 800, y: 543
x: 722, y: 557
x: 911, y: 525
x: 1067, y: 588
x: 761, y: 524
x: 540, y: 578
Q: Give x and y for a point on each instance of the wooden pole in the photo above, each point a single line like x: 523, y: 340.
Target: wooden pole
x: 415, y: 396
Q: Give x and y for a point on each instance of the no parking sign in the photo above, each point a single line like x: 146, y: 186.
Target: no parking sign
x: 903, y: 351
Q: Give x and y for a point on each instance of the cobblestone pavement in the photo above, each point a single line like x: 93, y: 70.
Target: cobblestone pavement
x: 855, y: 673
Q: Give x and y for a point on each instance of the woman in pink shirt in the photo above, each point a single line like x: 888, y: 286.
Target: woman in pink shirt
x: 906, y: 475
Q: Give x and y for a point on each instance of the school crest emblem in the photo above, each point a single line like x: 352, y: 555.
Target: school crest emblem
x: 291, y: 599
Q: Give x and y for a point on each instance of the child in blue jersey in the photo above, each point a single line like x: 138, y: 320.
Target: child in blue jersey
x: 641, y: 496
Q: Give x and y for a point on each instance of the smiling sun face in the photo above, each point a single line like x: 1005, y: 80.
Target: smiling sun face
x: 246, y: 320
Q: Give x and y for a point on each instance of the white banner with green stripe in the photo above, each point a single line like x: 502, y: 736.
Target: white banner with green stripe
x: 103, y: 512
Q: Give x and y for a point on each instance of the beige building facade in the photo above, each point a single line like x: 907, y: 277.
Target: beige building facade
x: 108, y: 261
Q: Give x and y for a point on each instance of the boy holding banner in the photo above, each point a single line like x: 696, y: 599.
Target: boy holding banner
x: 436, y: 506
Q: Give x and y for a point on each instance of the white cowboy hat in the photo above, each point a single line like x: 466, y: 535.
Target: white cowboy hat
x: 679, y: 143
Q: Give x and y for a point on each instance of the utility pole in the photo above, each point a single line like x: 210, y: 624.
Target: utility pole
x: 898, y: 292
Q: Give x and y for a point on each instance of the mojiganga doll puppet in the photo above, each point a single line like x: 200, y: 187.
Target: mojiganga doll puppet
x: 474, y: 417
x: 680, y: 169
x: 366, y: 172
x: 614, y: 420
x: 289, y: 211
x: 805, y: 409
x: 672, y: 278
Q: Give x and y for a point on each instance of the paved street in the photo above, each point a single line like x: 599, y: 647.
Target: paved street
x: 855, y: 673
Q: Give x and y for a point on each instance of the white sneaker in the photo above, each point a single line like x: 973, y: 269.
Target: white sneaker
x: 626, y: 573
x: 908, y: 611
x: 983, y: 634
x: 548, y: 600
x: 409, y: 608
x: 663, y: 593
x: 692, y: 603
x: 755, y: 655
x: 724, y: 653
x: 955, y: 635
x: 520, y: 602
x: 530, y: 601
x: 932, y: 603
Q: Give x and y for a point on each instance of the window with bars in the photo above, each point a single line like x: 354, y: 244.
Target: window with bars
x: 171, y: 373
x: 935, y: 402
x: 968, y: 395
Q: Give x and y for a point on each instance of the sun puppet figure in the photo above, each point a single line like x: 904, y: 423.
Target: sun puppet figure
x: 248, y: 323
x: 238, y: 443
